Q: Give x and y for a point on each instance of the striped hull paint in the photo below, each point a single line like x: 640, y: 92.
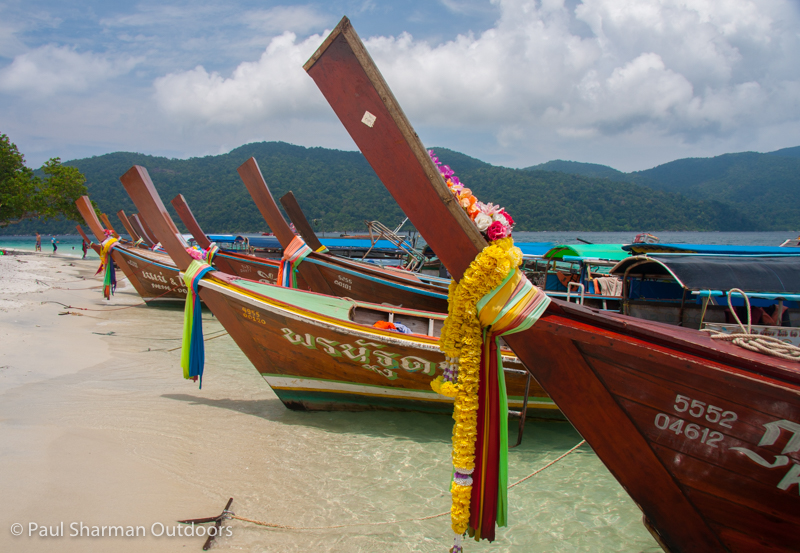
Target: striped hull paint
x: 316, y: 362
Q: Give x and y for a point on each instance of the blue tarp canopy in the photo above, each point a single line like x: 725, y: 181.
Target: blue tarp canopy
x: 356, y: 243
x: 711, y: 249
x: 534, y: 249
x: 255, y: 240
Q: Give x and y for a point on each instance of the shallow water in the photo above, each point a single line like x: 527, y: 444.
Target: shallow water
x: 68, y: 244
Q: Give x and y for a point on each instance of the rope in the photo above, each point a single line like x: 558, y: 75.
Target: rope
x: 754, y: 342
x: 287, y: 527
x: 143, y: 302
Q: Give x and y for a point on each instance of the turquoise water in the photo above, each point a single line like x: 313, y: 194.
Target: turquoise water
x: 71, y: 245
x: 67, y: 244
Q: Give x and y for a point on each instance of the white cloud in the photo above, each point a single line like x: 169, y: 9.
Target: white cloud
x: 559, y: 78
x: 275, y: 86
x: 51, y: 69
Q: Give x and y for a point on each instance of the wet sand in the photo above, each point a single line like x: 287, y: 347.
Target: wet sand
x: 97, y: 426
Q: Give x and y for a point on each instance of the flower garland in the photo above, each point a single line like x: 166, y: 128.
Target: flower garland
x: 492, y: 220
x: 462, y: 338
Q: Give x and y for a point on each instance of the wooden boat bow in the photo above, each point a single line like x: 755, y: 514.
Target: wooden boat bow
x: 188, y: 219
x: 610, y: 375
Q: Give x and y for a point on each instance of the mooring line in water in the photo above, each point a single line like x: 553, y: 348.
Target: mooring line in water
x: 227, y: 514
x: 224, y: 333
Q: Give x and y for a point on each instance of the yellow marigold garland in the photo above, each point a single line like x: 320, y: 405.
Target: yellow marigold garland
x: 461, y: 340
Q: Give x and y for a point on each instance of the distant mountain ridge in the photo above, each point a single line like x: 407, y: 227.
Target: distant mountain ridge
x: 339, y: 190
x: 763, y: 187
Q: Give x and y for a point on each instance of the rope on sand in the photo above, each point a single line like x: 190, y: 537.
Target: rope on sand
x: 754, y: 342
x: 230, y: 515
x: 143, y: 302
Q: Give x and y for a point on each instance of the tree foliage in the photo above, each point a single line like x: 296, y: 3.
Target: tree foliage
x: 24, y: 195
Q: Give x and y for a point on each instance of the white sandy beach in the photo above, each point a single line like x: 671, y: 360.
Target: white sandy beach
x: 97, y: 426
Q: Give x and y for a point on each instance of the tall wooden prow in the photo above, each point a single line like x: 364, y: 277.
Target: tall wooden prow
x: 142, y: 230
x: 298, y: 219
x: 187, y: 218
x: 251, y: 175
x: 128, y: 226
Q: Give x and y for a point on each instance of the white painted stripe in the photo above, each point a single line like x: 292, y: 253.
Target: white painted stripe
x: 330, y: 386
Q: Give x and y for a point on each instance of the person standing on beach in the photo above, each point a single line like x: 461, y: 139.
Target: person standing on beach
x: 38, y: 242
x: 85, y: 247
x: 55, y: 242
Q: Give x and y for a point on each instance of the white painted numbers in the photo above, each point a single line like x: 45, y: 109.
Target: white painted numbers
x: 697, y: 409
x: 704, y: 412
x: 343, y: 282
x: 691, y: 431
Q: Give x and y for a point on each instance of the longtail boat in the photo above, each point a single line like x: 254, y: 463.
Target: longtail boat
x: 233, y: 263
x: 153, y: 275
x: 328, y: 274
x: 266, y: 270
x: 703, y: 435
x: 320, y: 352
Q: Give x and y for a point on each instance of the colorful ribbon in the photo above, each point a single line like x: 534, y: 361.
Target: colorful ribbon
x: 513, y: 306
x: 211, y: 252
x: 322, y: 249
x: 107, y: 263
x: 293, y: 255
x: 192, y: 350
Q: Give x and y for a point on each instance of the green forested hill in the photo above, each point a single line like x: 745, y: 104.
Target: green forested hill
x: 584, y: 169
x: 765, y: 187
x: 341, y: 190
x: 546, y: 200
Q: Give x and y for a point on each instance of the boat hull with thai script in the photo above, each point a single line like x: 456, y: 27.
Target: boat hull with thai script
x: 323, y: 352
x: 703, y: 435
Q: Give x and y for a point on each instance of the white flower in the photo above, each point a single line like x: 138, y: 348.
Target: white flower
x: 482, y: 221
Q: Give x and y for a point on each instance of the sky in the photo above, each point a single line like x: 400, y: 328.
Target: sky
x: 626, y: 83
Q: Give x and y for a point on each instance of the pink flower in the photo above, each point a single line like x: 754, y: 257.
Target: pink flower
x: 496, y: 231
x: 508, y: 218
x: 195, y: 253
x: 490, y: 209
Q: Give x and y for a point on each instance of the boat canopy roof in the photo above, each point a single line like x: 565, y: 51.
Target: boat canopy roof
x: 613, y: 252
x: 768, y: 274
x: 255, y: 240
x: 357, y: 243
x: 534, y: 249
x: 637, y: 249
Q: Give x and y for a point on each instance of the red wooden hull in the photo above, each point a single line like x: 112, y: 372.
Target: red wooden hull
x: 318, y: 362
x: 703, y: 435
x: 153, y: 275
